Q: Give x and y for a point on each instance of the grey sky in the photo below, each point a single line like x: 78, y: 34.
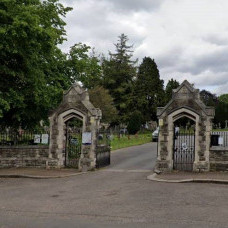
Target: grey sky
x: 187, y: 38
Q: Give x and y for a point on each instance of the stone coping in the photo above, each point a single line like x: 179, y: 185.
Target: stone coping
x: 219, y: 148
x: 185, y: 177
x: 25, y: 147
x: 38, y: 173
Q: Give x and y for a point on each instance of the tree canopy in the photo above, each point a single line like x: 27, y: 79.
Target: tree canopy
x: 223, y: 98
x: 118, y: 73
x: 34, y: 71
x: 84, y: 66
x: 101, y: 98
x: 172, y: 84
x: 32, y: 75
x: 148, y: 90
x: 220, y: 105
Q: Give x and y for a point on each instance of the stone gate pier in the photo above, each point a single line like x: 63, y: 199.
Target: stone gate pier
x: 75, y: 104
x: 185, y: 103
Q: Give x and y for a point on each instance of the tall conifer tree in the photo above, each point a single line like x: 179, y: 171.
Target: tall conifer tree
x: 148, y: 90
x: 119, y: 71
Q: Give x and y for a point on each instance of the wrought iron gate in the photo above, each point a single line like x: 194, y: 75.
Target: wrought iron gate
x: 73, y: 146
x: 103, y: 149
x: 184, y: 149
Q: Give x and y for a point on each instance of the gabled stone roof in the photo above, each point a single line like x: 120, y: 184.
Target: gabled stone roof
x: 186, y: 96
x: 77, y: 97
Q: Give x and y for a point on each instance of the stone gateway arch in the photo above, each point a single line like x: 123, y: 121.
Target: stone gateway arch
x: 74, y: 106
x: 184, y: 147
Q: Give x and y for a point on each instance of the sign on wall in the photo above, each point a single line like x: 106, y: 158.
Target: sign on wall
x: 220, y: 141
x: 161, y: 122
x: 87, y: 138
x: 44, y: 139
x: 36, y: 138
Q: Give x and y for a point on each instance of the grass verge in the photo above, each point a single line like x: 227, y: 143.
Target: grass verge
x: 224, y: 129
x: 133, y: 140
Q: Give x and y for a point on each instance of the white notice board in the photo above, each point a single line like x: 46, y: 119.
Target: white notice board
x: 36, y: 138
x: 86, y: 138
x: 220, y: 140
x: 44, y: 139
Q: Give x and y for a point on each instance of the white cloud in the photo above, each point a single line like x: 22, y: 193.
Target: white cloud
x: 187, y: 38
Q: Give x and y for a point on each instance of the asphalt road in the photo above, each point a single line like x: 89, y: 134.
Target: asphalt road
x: 119, y: 196
x: 141, y: 157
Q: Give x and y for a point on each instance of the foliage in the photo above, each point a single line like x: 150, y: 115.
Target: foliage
x: 223, y: 98
x: 221, y: 113
x: 148, y: 90
x: 134, y: 123
x: 208, y: 98
x: 221, y: 107
x: 118, y: 73
x: 84, y: 66
x: 101, y: 98
x: 172, y: 84
x: 32, y: 76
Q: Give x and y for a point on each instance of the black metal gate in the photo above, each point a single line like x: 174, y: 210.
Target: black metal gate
x: 103, y: 152
x: 73, y: 146
x: 183, y: 149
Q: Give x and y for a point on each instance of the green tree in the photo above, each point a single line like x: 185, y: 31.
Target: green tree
x: 101, y: 98
x: 84, y: 66
x: 221, y: 113
x: 135, y: 122
x: 220, y: 105
x: 172, y: 84
x: 148, y: 90
x: 223, y: 98
x: 118, y: 74
x: 208, y: 98
x: 32, y: 76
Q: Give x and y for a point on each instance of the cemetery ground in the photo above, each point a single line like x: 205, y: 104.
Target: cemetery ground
x: 117, y: 196
x: 123, y: 141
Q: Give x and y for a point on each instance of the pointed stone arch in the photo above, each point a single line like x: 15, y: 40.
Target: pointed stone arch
x: 185, y: 102
x: 75, y: 104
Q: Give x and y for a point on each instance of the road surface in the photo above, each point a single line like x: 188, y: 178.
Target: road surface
x: 119, y: 196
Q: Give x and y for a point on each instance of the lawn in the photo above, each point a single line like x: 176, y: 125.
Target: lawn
x: 224, y: 129
x: 133, y: 140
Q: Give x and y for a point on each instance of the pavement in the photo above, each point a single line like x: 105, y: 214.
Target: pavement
x: 38, y: 173
x: 184, y: 177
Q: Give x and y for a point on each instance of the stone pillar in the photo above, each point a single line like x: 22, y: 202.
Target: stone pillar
x: 185, y: 102
x: 75, y: 104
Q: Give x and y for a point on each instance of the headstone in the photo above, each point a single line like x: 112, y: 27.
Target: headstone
x: 226, y: 122
x: 219, y: 125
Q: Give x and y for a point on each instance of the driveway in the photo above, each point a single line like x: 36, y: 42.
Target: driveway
x: 118, y: 196
x: 141, y: 157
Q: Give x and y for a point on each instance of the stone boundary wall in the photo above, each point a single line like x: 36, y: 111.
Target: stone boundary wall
x: 26, y: 156
x: 219, y: 158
